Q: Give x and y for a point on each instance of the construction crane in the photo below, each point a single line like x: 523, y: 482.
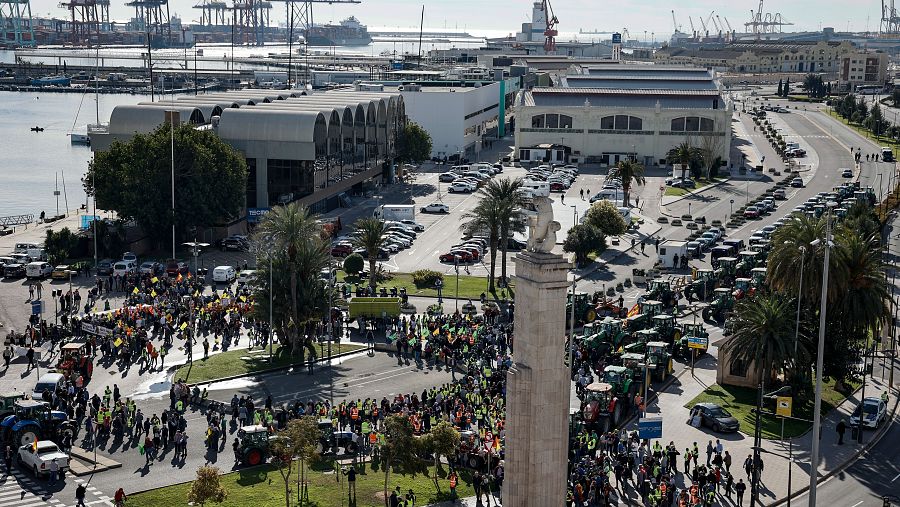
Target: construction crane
x: 728, y: 24
x: 674, y: 22
x: 550, y: 32
x: 693, y: 30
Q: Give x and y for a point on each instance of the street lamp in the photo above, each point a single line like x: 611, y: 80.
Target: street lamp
x: 456, y: 268
x: 731, y: 213
x: 823, y: 308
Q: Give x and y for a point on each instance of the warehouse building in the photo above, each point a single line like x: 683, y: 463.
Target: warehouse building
x: 312, y: 148
x: 605, y: 114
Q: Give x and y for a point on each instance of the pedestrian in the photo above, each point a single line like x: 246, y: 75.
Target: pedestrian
x: 656, y: 244
x: 729, y: 485
x: 54, y: 471
x: 739, y: 488
x: 8, y: 459
x: 582, y: 193
x: 80, y: 492
x: 7, y: 356
x: 643, y: 243
x: 841, y: 428
x: 205, y: 348
x: 30, y: 292
x: 476, y: 485
x: 726, y: 460
x: 351, y: 483
x: 30, y: 356
x: 748, y: 466
x: 675, y: 261
x: 562, y: 198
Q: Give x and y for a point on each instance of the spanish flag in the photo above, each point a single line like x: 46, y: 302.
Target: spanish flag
x: 179, y: 278
x: 435, y: 332
x: 34, y: 445
x: 634, y: 310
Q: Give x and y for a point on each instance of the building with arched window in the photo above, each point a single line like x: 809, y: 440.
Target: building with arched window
x: 604, y: 114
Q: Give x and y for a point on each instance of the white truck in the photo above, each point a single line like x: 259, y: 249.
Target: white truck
x: 395, y: 212
x: 39, y: 460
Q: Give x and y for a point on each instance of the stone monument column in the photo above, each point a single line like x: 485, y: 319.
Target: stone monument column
x: 538, y: 385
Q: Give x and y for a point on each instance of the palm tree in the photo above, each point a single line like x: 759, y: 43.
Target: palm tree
x: 508, y: 195
x: 289, y: 240
x: 860, y: 277
x: 370, y: 236
x: 628, y: 172
x: 764, y: 334
x: 683, y: 154
x: 791, y: 251
x: 485, y: 219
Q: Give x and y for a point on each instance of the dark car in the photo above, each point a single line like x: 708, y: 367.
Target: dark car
x: 716, y: 418
x: 105, y: 267
x: 233, y: 243
x: 14, y: 270
x: 174, y: 267
x: 341, y: 250
x: 382, y: 253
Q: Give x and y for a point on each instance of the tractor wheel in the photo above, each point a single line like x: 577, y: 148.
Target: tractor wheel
x: 253, y: 457
x: 676, y: 337
x: 705, y: 313
x: 617, y: 415
x: 473, y: 462
x: 351, y: 448
x: 27, y: 435
x: 590, y: 315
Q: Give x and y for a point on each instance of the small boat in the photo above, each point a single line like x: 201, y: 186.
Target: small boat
x: 37, y: 129
x: 51, y: 81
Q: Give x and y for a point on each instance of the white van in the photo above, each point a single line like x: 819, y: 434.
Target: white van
x: 123, y: 268
x: 38, y: 270
x: 224, y: 274
x: 459, y: 169
x: 38, y: 254
x: 23, y: 248
x: 49, y: 381
x: 534, y: 188
x: 245, y: 276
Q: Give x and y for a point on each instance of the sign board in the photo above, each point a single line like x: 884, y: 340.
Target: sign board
x: 616, y: 38
x: 37, y: 307
x: 87, y: 219
x: 254, y: 215
x: 698, y: 342
x: 650, y: 427
x: 784, y: 405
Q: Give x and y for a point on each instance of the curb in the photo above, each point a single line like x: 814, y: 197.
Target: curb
x: 849, y: 461
x: 695, y: 192
x: 174, y: 369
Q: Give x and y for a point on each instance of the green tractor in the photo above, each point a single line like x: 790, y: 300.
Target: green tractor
x: 646, y: 310
x: 758, y: 278
x: 584, y: 308
x: 638, y: 341
x: 727, y: 271
x: 749, y: 260
x: 611, y: 331
x: 666, y: 328
x: 253, y: 445
x: 691, y: 330
x: 701, y: 287
x: 661, y: 290
x: 721, y: 306
x: 659, y: 360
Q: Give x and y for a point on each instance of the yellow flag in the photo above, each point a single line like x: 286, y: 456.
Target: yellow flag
x: 154, y: 279
x: 434, y: 333
x: 135, y: 291
x: 117, y: 342
x: 183, y: 326
x: 243, y: 298
x: 153, y: 293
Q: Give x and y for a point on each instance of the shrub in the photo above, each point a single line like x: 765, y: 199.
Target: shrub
x: 426, y: 277
x: 353, y: 264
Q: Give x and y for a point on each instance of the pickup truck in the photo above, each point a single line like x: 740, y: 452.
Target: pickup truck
x: 38, y: 461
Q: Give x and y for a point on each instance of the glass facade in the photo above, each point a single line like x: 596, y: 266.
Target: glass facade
x: 289, y: 180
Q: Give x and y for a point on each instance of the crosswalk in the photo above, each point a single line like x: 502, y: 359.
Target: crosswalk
x: 22, y: 490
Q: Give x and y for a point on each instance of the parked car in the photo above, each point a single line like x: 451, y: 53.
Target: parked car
x: 234, y: 243
x: 175, y: 267
x: 797, y: 182
x: 105, y: 267
x: 460, y: 187
x: 130, y: 257
x: 341, y: 249
x: 245, y: 276
x: 695, y: 249
x: 224, y: 274
x: 847, y: 173
x: 38, y: 456
x: 436, y: 207
x: 150, y: 268
x: 779, y: 193
x: 716, y: 418
x: 60, y: 272
x: 751, y: 212
x: 875, y: 412
x: 14, y: 270
x: 123, y: 268
x: 38, y: 270
x: 447, y: 177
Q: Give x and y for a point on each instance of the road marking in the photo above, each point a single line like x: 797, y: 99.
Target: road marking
x: 857, y: 503
x: 895, y: 478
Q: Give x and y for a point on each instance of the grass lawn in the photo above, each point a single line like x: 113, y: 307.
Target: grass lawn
x: 237, y: 362
x: 700, y: 184
x: 470, y: 287
x: 263, y: 486
x: 740, y: 400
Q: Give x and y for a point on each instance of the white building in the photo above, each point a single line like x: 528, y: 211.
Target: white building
x: 460, y: 119
x: 608, y: 113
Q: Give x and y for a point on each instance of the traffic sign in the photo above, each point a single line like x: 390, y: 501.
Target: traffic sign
x: 37, y: 307
x: 698, y: 342
x: 650, y: 427
x: 784, y: 405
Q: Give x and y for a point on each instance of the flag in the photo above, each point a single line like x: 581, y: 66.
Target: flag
x: 34, y: 445
x: 117, y: 342
x: 183, y: 326
x: 634, y: 310
x: 154, y: 279
x: 446, y: 326
x: 189, y: 275
x: 135, y: 291
x: 179, y: 278
x: 392, y: 337
x: 153, y: 293
x: 243, y: 299
x: 434, y: 333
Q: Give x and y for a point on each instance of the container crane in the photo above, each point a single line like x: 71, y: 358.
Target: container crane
x: 674, y: 22
x: 550, y: 32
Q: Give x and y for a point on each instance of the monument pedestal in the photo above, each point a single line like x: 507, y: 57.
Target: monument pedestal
x: 538, y: 385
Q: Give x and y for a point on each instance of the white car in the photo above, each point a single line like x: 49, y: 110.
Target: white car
x: 460, y: 187
x: 875, y: 412
x: 37, y: 461
x: 436, y: 207
x: 416, y: 226
x: 129, y: 257
x: 847, y: 173
x: 447, y: 177
x: 123, y: 268
x: 245, y: 276
x: 150, y: 268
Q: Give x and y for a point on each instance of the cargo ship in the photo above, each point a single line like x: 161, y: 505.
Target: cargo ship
x: 350, y: 32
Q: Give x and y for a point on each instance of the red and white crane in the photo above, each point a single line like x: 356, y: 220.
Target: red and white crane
x: 550, y: 32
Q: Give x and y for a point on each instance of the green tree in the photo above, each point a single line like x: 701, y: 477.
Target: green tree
x: 875, y: 122
x: 399, y: 450
x: 303, y: 436
x: 354, y: 264
x: 485, y: 219
x: 629, y: 173
x: 791, y: 252
x: 294, y: 441
x: 413, y: 144
x: 110, y: 238
x: 764, y: 330
x: 370, y: 236
x: 60, y: 244
x: 780, y: 87
x: 443, y: 440
x: 685, y: 155
x: 787, y: 88
x: 207, y: 487
x: 134, y: 179
x: 605, y: 216
x: 290, y: 242
x: 895, y: 97
x: 582, y: 240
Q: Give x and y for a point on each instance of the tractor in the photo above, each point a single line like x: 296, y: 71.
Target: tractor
x: 758, y: 278
x: 661, y: 290
x: 643, y: 319
x: 332, y: 440
x: 638, y: 341
x: 701, y: 287
x: 749, y: 260
x: 33, y: 420
x: 74, y: 361
x: 721, y: 306
x: 8, y: 403
x: 727, y: 271
x: 659, y: 360
x: 253, y: 447
x: 743, y: 287
x: 666, y: 328
x: 584, y: 309
x: 600, y: 409
x: 611, y: 332
x: 688, y: 331
x: 606, y: 307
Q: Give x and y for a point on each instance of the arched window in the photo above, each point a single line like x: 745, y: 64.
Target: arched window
x: 621, y: 122
x: 537, y: 121
x: 551, y: 121
x: 692, y: 124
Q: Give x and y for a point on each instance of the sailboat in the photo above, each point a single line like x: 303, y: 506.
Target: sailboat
x: 77, y: 138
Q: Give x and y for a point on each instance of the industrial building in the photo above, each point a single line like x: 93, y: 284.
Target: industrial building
x: 607, y: 113
x: 762, y: 57
x: 313, y: 148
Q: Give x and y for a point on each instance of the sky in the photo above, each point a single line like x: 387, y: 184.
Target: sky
x: 506, y: 16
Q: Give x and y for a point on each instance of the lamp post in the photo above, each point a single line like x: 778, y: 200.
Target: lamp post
x: 731, y: 213
x: 271, y: 302
x: 572, y: 332
x: 796, y: 341
x: 456, y: 268
x: 817, y: 406
x: 172, y: 149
